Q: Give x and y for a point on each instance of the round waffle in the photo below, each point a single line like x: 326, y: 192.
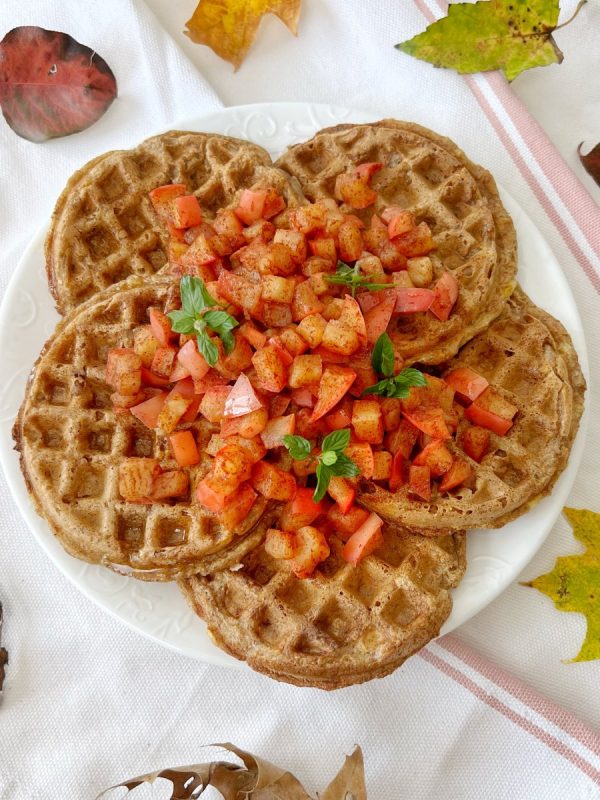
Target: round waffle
x: 71, y: 443
x: 104, y: 228
x: 430, y: 176
x: 344, y: 625
x: 529, y: 358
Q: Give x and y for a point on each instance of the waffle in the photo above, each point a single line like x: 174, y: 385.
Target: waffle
x: 430, y: 176
x: 344, y: 625
x: 529, y: 358
x: 104, y: 228
x: 71, y: 443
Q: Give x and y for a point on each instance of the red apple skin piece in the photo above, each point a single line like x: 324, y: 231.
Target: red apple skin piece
x: 467, y: 384
x: 334, y: 384
x: 487, y: 419
x: 378, y: 318
x: 412, y: 301
x: 430, y: 421
x: 445, y: 296
x: 364, y: 540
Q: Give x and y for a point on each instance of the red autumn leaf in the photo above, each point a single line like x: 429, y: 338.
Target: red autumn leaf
x: 50, y: 85
x: 591, y: 162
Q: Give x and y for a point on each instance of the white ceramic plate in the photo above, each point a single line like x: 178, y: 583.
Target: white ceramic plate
x: 27, y: 319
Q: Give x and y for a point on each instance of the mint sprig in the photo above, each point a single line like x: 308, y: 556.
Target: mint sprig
x: 298, y: 447
x: 351, y: 277
x: 392, y: 385
x: 332, y: 461
x: 197, y: 316
x: 382, y: 357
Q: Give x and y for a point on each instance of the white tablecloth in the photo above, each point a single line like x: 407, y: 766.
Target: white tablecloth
x: 450, y: 723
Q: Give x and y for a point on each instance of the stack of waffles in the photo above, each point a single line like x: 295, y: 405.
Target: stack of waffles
x: 108, y: 262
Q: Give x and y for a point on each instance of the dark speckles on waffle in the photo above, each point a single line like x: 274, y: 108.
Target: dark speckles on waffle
x: 104, y: 228
x: 344, y: 625
x: 72, y: 442
x: 529, y: 359
x: 431, y: 177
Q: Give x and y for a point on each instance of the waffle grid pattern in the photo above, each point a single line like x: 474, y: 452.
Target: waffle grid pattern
x: 431, y: 177
x: 346, y: 624
x: 528, y: 357
x: 341, y: 626
x: 72, y: 443
x: 104, y: 227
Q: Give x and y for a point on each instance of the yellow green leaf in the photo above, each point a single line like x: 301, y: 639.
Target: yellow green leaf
x: 574, y: 582
x: 510, y: 35
x: 229, y: 26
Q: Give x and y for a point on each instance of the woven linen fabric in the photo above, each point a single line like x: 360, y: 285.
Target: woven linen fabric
x: 88, y: 702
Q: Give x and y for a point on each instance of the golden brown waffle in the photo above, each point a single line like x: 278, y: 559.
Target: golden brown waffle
x: 430, y: 176
x: 71, y: 443
x: 529, y: 358
x: 104, y: 228
x: 344, y: 625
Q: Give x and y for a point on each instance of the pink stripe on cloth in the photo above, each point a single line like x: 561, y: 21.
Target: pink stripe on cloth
x: 536, y: 731
x: 567, y: 186
x: 541, y: 196
x: 558, y: 716
x: 424, y: 9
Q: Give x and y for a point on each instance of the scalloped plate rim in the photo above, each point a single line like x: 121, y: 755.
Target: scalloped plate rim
x: 495, y: 548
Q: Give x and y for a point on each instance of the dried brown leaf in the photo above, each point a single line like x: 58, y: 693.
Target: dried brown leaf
x: 349, y: 783
x: 256, y: 780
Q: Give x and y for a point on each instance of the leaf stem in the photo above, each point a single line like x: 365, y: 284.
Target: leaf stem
x: 580, y: 5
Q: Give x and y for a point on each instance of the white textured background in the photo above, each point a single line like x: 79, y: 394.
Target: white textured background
x: 87, y: 701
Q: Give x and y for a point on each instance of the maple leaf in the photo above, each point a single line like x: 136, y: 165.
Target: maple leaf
x: 574, y: 582
x: 510, y: 35
x: 591, y: 162
x: 229, y: 26
x: 50, y: 84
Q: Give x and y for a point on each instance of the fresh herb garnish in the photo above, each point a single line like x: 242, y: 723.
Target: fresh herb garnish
x: 298, y: 447
x: 196, y: 317
x: 392, y: 385
x: 350, y: 276
x: 382, y: 358
x: 332, y: 460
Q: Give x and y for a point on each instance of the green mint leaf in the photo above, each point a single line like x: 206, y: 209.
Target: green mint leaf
x: 228, y: 340
x: 337, y: 441
x: 324, y: 474
x: 207, y: 348
x: 298, y: 447
x: 381, y: 388
x: 194, y: 295
x: 399, y: 386
x: 222, y: 324
x: 329, y: 458
x: 220, y: 320
x: 181, y: 321
x: 410, y: 377
x: 382, y: 358
x: 344, y: 467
